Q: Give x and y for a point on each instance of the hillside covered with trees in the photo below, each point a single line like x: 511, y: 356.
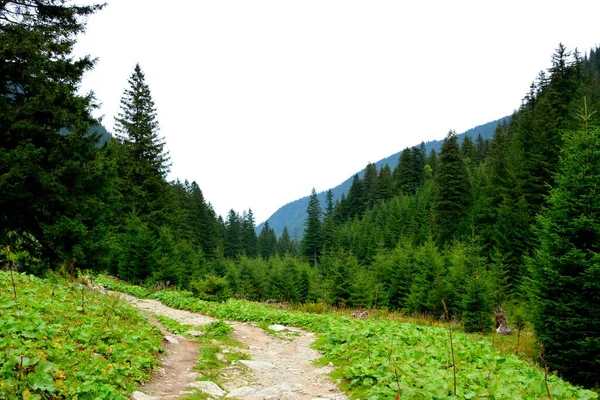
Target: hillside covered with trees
x: 293, y: 215
x: 510, y: 221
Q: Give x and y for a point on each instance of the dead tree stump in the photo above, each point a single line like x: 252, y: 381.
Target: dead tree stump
x: 501, y: 327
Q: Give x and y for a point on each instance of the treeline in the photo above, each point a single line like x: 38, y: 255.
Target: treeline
x: 510, y: 221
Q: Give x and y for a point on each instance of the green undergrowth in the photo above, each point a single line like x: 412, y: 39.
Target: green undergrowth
x: 174, y: 326
x: 377, y: 359
x: 60, y: 340
x: 217, y: 350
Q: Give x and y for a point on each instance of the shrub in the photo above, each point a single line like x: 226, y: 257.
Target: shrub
x: 211, y: 288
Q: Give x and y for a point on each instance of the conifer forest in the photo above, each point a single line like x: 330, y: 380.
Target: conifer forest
x: 512, y: 221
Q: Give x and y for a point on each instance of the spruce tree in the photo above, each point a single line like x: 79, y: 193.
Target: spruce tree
x: 453, y: 191
x: 143, y: 162
x: 267, y: 241
x: 369, y: 183
x: 285, y: 244
x: 249, y: 238
x: 54, y: 187
x: 565, y: 269
x: 312, y: 241
x: 137, y: 126
x: 385, y: 184
x: 234, y: 239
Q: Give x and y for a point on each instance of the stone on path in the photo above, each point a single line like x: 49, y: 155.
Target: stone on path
x: 256, y: 365
x: 209, y: 388
x: 281, y: 328
x: 194, y: 375
x: 243, y: 391
x: 195, y: 333
x: 142, y: 396
x: 171, y: 339
x: 276, y: 391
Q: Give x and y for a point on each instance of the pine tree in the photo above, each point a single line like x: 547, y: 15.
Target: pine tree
x: 385, y: 184
x: 312, y: 241
x: 432, y: 161
x: 329, y: 203
x: 249, y: 239
x: 369, y: 183
x: 54, y: 186
x: 354, y: 205
x: 467, y: 149
x: 566, y: 266
x: 136, y: 125
x: 453, y: 190
x: 267, y: 241
x: 481, y: 149
x: 234, y: 241
x: 143, y: 162
x: 285, y: 244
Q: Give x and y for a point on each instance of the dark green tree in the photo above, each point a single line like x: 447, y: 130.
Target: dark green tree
x: 54, y: 186
x: 312, y: 241
x: 481, y: 149
x: 453, y: 191
x: 234, y: 240
x: 137, y: 126
x: 249, y: 238
x: 285, y: 244
x: 329, y: 203
x: 143, y: 162
x: 369, y: 182
x: 353, y: 205
x: 385, y: 184
x: 565, y: 269
x: 267, y: 241
x: 467, y: 149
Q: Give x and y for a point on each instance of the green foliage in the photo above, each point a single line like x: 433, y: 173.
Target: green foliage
x: 366, y: 353
x: 216, y: 330
x: 61, y: 340
x: 136, y: 127
x: 312, y: 241
x: 475, y: 304
x: 211, y: 288
x: 565, y: 268
x: 53, y: 186
x: 136, y: 247
x: 453, y: 191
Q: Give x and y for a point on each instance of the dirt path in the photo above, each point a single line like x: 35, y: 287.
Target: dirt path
x: 278, y: 369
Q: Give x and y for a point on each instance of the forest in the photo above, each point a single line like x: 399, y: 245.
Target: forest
x: 513, y: 221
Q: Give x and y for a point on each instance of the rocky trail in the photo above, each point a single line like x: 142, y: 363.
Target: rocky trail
x: 276, y: 367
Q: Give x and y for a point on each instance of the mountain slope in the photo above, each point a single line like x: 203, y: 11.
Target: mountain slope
x: 293, y: 214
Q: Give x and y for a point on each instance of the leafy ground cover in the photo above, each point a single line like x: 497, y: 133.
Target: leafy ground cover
x: 59, y: 340
x: 377, y: 359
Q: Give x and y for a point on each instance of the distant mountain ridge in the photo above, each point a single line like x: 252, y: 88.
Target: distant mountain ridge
x: 293, y: 214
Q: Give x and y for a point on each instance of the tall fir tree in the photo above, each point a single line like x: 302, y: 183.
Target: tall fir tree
x: 143, y: 161
x: 312, y: 241
x: 369, y: 182
x: 54, y: 186
x: 565, y: 269
x: 285, y: 244
x: 249, y: 238
x: 137, y: 126
x: 267, y: 241
x: 453, y: 191
x: 385, y: 184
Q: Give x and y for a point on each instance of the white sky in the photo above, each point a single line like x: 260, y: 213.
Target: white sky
x: 260, y: 101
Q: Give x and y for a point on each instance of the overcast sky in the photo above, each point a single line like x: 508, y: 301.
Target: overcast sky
x: 260, y: 101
